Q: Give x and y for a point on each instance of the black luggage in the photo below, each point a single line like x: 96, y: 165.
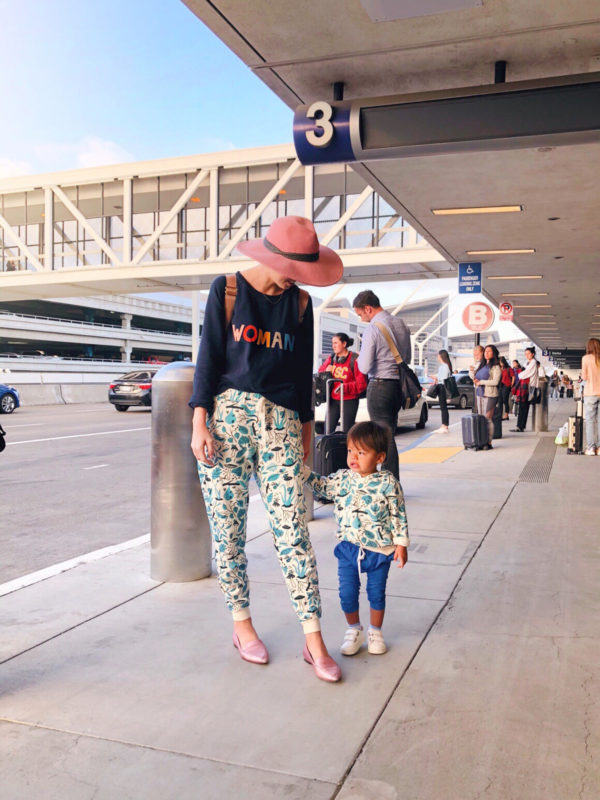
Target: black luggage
x: 475, y: 431
x: 331, y: 449
x: 575, y: 440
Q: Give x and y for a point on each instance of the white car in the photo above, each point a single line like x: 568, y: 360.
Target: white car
x: 416, y: 416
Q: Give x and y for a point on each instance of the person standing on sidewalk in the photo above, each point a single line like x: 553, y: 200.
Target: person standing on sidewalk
x: 439, y: 390
x: 372, y: 528
x: 590, y: 373
x: 342, y: 366
x: 252, y: 401
x: 487, y: 380
x: 506, y: 384
x: 528, y: 377
x: 376, y: 361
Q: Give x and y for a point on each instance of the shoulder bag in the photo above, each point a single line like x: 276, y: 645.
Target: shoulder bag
x: 409, y: 387
x: 451, y: 387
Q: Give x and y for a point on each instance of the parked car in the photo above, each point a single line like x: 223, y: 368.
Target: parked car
x: 132, y: 389
x: 416, y: 416
x: 9, y: 399
x: 466, y: 392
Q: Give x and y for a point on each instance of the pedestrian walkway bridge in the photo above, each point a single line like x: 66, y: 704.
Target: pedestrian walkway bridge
x: 173, y: 224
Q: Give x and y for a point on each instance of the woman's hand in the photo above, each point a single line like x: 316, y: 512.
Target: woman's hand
x: 476, y: 381
x: 401, y: 555
x: 306, y: 439
x: 202, y: 444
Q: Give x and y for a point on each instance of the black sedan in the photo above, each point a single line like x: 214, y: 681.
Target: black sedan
x: 132, y: 389
x: 466, y: 392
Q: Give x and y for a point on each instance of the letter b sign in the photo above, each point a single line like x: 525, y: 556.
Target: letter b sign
x: 478, y: 317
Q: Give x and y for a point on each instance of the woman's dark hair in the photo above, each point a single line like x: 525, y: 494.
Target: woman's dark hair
x: 503, y: 363
x: 371, y: 435
x: 491, y: 362
x: 532, y: 351
x: 443, y: 354
x: 344, y: 339
x: 518, y: 363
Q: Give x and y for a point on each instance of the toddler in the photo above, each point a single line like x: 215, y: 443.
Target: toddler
x: 372, y: 527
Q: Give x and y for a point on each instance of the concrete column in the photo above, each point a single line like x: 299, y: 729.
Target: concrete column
x: 126, y: 352
x: 126, y: 320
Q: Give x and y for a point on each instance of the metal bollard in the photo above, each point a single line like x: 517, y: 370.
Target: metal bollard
x: 539, y: 421
x: 179, y: 531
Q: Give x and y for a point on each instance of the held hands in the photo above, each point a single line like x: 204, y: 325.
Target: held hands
x: 401, y: 555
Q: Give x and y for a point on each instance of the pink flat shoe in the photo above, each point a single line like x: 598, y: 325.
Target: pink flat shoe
x: 325, y: 667
x: 255, y: 652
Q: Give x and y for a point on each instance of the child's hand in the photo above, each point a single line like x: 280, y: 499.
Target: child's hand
x: 401, y: 555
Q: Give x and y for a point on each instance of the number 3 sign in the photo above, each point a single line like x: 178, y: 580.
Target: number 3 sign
x: 322, y: 133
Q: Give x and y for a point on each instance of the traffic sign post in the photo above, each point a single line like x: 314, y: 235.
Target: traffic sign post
x: 469, y: 277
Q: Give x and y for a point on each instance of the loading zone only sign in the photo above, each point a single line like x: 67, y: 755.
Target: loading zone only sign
x: 469, y: 277
x: 478, y: 317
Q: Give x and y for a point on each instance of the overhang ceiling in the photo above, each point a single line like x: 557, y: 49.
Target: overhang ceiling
x: 300, y: 49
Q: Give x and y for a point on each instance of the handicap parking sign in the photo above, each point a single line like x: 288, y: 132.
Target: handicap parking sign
x: 469, y: 277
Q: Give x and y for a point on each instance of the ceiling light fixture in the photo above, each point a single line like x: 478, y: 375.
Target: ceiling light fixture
x: 522, y: 251
x: 514, y: 277
x: 442, y: 212
x: 540, y: 315
x: 524, y: 294
x: 549, y: 306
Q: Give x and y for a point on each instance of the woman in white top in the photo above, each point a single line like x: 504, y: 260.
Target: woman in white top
x: 529, y: 377
x: 439, y: 390
x: 590, y: 373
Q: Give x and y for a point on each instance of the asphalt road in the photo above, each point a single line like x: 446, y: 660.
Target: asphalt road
x: 72, y: 479
x: 76, y: 478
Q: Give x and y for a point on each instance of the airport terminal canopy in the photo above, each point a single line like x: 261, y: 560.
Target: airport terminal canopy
x: 516, y: 190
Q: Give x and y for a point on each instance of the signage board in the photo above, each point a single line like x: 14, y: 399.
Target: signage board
x: 478, y: 317
x: 469, y: 277
x: 506, y: 312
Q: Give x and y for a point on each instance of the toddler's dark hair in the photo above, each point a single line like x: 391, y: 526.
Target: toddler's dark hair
x: 371, y: 435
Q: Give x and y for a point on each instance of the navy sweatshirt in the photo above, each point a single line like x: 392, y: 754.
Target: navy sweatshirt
x: 264, y: 350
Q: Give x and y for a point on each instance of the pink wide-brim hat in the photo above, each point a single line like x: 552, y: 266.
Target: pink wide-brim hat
x: 291, y: 247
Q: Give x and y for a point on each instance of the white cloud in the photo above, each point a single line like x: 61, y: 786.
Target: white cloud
x: 91, y: 151
x: 11, y: 168
x: 95, y: 152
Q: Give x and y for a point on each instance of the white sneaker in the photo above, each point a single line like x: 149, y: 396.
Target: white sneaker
x: 591, y: 451
x: 376, y: 646
x: 353, y: 640
x: 442, y: 429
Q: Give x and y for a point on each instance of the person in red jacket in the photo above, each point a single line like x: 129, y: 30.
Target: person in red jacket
x: 342, y: 365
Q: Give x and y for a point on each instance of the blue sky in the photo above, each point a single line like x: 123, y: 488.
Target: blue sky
x: 87, y: 83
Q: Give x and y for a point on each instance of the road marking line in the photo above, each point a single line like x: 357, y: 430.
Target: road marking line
x: 56, y: 569
x: 77, y: 436
x: 25, y: 425
x: 97, y: 466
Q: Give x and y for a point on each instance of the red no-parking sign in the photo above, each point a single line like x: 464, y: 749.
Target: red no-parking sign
x: 478, y: 317
x: 506, y: 312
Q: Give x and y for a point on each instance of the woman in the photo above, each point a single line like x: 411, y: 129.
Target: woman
x: 439, y: 390
x: 506, y: 383
x: 252, y: 414
x: 342, y: 365
x: 517, y: 369
x: 528, y: 377
x: 590, y: 373
x: 554, y: 382
x: 487, y: 379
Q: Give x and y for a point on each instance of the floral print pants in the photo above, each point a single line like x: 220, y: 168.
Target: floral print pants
x: 254, y: 435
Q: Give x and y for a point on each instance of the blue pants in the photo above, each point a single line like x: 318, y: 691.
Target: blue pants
x: 376, y: 566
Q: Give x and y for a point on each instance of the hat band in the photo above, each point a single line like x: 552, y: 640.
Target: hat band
x: 292, y: 256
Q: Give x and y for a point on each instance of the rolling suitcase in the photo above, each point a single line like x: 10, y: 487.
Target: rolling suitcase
x: 575, y: 438
x: 475, y: 431
x: 331, y: 449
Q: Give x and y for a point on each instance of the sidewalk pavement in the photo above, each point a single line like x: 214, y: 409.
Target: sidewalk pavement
x: 117, y: 687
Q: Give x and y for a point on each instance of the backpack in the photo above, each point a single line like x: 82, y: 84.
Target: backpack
x: 231, y: 292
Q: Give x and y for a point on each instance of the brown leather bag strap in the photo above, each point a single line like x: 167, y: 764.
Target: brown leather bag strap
x: 302, y: 304
x: 230, y: 295
x: 391, y: 344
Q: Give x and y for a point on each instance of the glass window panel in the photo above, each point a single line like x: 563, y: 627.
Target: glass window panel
x: 143, y: 223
